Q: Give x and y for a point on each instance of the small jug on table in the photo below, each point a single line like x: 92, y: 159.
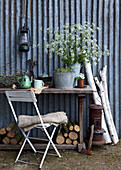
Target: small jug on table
x: 38, y: 84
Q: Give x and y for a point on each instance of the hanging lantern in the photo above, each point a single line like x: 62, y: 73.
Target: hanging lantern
x: 24, y: 39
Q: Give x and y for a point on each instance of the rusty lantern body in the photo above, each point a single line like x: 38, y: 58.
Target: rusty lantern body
x: 95, y: 118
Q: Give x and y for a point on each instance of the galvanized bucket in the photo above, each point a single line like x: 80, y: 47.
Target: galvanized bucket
x: 63, y: 80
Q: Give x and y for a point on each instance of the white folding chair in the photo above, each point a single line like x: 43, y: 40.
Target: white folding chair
x: 29, y: 96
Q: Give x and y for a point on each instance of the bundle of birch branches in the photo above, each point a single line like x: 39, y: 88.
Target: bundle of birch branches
x: 101, y: 98
x: 68, y: 134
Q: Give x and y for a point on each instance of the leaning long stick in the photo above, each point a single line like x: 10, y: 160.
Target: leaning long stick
x: 104, y: 83
x: 96, y: 97
x: 107, y: 115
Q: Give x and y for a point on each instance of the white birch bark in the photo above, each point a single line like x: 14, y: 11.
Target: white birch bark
x: 96, y: 97
x: 104, y: 83
x: 102, y: 94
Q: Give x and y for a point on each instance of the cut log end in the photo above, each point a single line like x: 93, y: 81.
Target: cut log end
x: 65, y: 135
x: 11, y: 134
x: 13, y: 141
x: 2, y: 131
x: 10, y: 126
x: 16, y: 139
x: 6, y: 140
x: 71, y: 128
x: 75, y: 142
x: 68, y: 141
x: 73, y: 135
x: 60, y: 139
x: 76, y: 128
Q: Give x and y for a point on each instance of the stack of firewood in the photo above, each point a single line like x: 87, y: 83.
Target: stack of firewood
x: 68, y: 134
x: 11, y: 135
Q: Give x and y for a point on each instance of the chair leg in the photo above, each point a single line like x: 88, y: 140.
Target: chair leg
x: 31, y: 145
x: 52, y: 141
x: 26, y: 139
x: 45, y: 153
x: 26, y: 136
x: 20, y: 150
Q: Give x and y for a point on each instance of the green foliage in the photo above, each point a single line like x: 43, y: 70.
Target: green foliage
x: 74, y: 44
x: 9, y: 80
x: 64, y: 70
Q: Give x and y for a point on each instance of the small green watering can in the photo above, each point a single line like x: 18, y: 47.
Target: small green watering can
x: 24, y: 82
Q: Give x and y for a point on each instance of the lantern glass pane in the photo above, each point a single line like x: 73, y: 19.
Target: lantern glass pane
x: 24, y: 39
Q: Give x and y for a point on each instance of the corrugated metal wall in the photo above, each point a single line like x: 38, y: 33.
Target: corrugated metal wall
x: 55, y: 13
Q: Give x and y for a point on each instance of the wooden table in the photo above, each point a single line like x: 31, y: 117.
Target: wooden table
x: 81, y: 92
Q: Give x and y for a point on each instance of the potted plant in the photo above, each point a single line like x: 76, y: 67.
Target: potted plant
x: 63, y: 78
x: 75, y: 44
x: 80, y: 79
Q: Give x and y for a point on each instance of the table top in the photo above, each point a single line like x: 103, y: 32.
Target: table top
x: 84, y: 90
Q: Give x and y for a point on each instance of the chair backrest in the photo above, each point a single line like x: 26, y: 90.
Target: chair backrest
x: 21, y: 96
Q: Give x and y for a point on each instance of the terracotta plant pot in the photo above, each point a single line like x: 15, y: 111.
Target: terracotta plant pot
x: 80, y: 83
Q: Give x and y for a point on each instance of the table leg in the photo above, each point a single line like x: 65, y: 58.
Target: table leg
x: 81, y: 140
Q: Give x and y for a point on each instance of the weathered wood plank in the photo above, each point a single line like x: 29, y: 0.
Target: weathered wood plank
x: 73, y: 90
x: 85, y: 90
x: 80, y: 103
x: 37, y: 146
